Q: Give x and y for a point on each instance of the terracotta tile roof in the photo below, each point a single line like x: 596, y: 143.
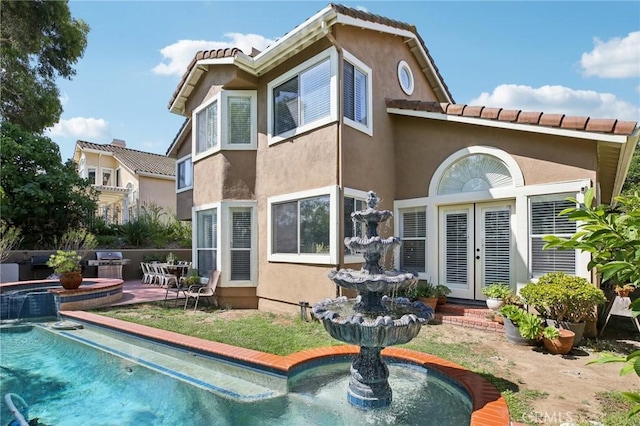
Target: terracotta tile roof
x: 589, y: 124
x: 138, y: 161
x: 338, y: 8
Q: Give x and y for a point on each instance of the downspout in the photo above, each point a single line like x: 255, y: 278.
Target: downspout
x: 340, y: 202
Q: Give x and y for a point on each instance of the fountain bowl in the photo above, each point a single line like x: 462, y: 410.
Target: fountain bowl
x: 363, y: 281
x: 399, y: 324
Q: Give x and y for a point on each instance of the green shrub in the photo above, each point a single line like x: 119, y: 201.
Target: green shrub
x: 497, y: 291
x: 563, y: 297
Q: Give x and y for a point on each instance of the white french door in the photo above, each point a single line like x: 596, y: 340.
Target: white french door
x: 476, y: 247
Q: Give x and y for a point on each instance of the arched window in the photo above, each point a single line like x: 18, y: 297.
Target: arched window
x: 475, y: 172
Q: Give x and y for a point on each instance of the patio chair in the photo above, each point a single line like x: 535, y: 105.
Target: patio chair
x: 167, y: 279
x: 147, y: 274
x: 206, y: 292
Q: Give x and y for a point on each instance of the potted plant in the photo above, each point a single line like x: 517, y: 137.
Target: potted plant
x: 566, y: 301
x: 441, y: 292
x: 514, y: 317
x: 171, y: 258
x: 624, y: 290
x: 192, y: 279
x: 558, y: 340
x: 496, y: 294
x: 426, y: 293
x: 66, y: 263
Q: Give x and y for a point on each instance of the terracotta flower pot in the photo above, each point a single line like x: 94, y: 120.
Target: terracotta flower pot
x: 429, y: 301
x: 562, y: 344
x: 71, y: 280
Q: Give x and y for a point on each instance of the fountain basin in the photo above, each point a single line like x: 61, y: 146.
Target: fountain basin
x: 362, y: 281
x: 372, y: 244
x: 400, y: 322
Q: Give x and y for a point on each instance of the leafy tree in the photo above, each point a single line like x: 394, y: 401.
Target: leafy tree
x: 612, y: 236
x: 632, y: 183
x: 39, y: 41
x: 42, y: 196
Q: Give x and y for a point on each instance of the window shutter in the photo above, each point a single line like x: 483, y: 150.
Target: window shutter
x: 207, y: 223
x: 545, y: 221
x: 360, y: 97
x: 239, y: 120
x: 413, y: 250
x: 497, y: 246
x: 241, y: 245
x: 285, y: 106
x: 315, y: 92
x: 212, y: 125
x: 348, y: 89
x: 456, y: 267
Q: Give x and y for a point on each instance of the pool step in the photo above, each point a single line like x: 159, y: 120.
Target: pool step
x: 472, y: 316
x: 185, y: 366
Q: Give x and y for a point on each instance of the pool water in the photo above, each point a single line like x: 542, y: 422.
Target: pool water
x: 66, y: 382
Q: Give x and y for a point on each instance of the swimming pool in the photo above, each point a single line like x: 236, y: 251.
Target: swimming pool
x: 68, y: 380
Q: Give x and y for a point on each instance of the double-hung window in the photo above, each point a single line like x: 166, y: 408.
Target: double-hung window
x: 207, y: 131
x: 241, y: 243
x: 225, y: 122
x: 544, y: 220
x: 303, y: 227
x: 357, y: 94
x: 413, y: 252
x: 91, y: 175
x: 303, y: 98
x: 184, y: 173
x: 207, y: 240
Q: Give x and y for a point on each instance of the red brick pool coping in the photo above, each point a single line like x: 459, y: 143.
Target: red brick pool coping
x: 489, y: 407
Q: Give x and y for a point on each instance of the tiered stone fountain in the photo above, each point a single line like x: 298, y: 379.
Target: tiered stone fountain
x: 375, y: 319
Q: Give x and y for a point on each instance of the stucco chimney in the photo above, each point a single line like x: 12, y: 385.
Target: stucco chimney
x: 119, y: 142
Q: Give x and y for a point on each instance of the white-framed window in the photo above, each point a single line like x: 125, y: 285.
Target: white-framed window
x: 544, y: 220
x: 92, y: 174
x: 225, y: 122
x: 227, y: 239
x: 107, y: 176
x: 413, y: 232
x: 405, y: 78
x: 184, y: 174
x: 303, y: 98
x: 357, y: 93
x: 206, y: 246
x: 302, y: 227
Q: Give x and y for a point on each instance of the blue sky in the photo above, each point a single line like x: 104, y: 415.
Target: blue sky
x: 578, y: 58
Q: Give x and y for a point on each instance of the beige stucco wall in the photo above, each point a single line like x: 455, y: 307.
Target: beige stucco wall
x: 159, y: 192
x: 423, y: 144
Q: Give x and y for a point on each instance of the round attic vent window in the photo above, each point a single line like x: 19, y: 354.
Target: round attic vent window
x: 405, y: 77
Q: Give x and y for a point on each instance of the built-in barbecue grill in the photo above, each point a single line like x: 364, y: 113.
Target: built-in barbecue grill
x: 109, y: 264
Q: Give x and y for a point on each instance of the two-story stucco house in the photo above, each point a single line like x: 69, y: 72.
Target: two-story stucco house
x: 280, y: 146
x: 126, y: 179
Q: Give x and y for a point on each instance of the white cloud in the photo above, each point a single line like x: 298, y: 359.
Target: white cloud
x: 362, y: 9
x: 615, y: 58
x: 559, y: 99
x: 85, y: 128
x: 177, y: 56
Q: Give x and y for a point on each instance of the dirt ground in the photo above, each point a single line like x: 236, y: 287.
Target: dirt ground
x: 570, y: 384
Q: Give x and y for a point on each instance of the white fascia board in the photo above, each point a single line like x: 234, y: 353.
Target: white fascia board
x: 174, y: 143
x: 624, y: 161
x: 303, y: 31
x: 373, y: 26
x: 196, y: 71
x: 154, y: 175
x: 97, y: 151
x: 577, y: 134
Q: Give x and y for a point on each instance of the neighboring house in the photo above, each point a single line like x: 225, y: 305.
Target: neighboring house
x: 126, y: 179
x: 284, y: 144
